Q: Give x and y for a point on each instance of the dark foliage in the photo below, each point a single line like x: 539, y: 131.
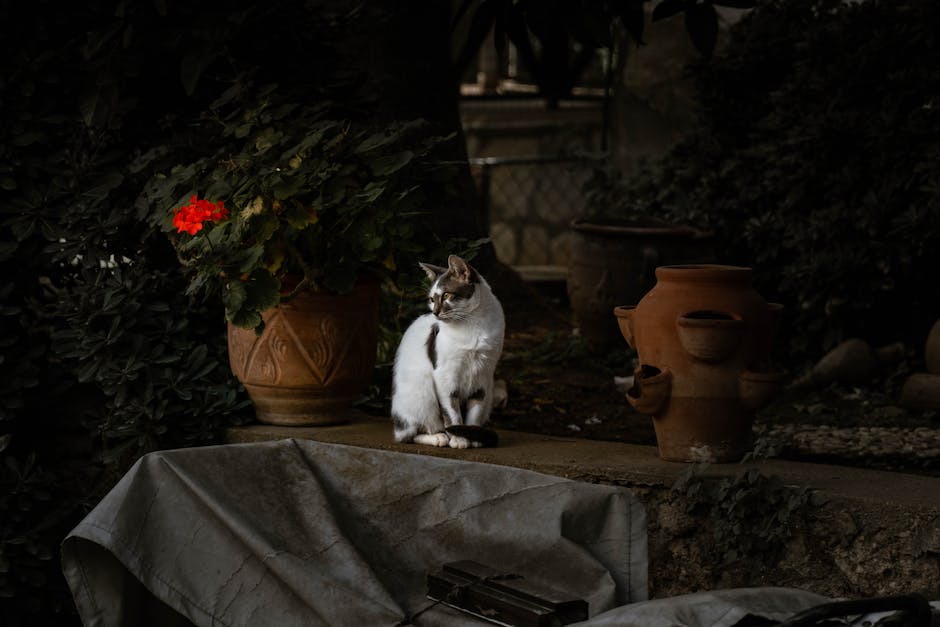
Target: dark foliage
x: 556, y: 39
x: 104, y: 355
x: 816, y: 162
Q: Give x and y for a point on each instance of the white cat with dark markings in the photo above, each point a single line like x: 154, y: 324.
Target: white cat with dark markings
x: 444, y: 366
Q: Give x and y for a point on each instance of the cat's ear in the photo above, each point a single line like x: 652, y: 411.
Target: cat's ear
x: 432, y: 271
x: 461, y: 269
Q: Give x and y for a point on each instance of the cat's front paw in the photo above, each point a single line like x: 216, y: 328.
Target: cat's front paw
x: 439, y: 439
x: 458, y: 442
x: 433, y: 439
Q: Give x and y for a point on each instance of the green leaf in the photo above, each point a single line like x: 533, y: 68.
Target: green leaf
x: 198, y: 355
x: 392, y: 163
x: 7, y: 249
x: 217, y: 233
x: 234, y: 295
x: 263, y: 289
x: 247, y: 259
x: 104, y: 186
x: 198, y: 282
x: 289, y: 188
x: 247, y: 320
x: 376, y: 140
x: 371, y: 192
x: 194, y: 64
x: 26, y: 139
x: 23, y: 228
x: 284, y: 110
x: 310, y: 140
x: 98, y: 100
x: 300, y: 216
x: 342, y: 278
x: 372, y: 242
x: 263, y: 226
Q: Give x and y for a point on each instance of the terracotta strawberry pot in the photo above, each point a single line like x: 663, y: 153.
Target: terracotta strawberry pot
x: 703, y: 338
x: 314, y: 358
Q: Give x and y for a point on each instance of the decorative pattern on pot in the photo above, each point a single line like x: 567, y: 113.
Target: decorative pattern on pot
x: 705, y: 329
x: 314, y: 358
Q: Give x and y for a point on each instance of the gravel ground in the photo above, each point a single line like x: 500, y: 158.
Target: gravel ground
x: 889, y: 448
x: 919, y: 442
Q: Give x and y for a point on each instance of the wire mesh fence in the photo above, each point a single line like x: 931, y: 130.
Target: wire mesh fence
x: 529, y: 203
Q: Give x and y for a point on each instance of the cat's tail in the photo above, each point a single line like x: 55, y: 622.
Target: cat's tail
x: 476, y: 436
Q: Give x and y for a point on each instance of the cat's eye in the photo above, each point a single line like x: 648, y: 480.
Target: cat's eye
x: 447, y: 295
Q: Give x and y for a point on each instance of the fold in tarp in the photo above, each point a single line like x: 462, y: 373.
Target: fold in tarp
x: 718, y: 608
x: 298, y: 532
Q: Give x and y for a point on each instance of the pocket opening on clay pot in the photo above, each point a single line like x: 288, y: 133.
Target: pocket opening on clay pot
x: 651, y: 387
x: 710, y: 335
x: 644, y: 373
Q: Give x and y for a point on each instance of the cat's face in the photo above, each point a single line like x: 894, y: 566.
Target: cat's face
x: 453, y: 294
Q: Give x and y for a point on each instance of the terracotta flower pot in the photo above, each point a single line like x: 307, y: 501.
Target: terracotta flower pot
x: 314, y: 358
x: 932, y: 349
x: 711, y: 332
x: 612, y: 264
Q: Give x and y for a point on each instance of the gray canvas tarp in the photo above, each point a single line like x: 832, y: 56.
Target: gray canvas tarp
x: 304, y: 533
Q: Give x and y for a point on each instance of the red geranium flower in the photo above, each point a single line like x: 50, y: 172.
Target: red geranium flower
x: 189, y: 218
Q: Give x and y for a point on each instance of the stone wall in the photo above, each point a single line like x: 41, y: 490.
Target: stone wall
x: 841, y: 548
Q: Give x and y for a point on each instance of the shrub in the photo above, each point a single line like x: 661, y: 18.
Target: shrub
x: 815, y: 162
x: 105, y: 356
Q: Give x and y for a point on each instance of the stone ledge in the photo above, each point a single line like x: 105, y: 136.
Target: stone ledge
x: 875, y: 534
x: 620, y: 463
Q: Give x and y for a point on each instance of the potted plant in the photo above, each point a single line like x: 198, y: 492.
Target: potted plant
x: 616, y: 247
x: 296, y: 218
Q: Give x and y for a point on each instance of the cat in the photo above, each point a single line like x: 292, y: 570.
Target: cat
x: 443, y: 370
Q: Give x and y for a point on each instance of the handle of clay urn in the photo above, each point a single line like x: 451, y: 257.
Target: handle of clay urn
x: 624, y: 315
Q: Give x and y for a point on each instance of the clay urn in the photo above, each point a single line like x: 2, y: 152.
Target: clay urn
x: 921, y: 390
x: 313, y: 359
x: 613, y: 262
x: 932, y: 349
x: 703, y: 337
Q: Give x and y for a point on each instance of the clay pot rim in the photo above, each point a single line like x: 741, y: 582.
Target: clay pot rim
x: 616, y: 230
x: 624, y: 311
x: 705, y: 272
x: 290, y: 281
x: 732, y: 322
